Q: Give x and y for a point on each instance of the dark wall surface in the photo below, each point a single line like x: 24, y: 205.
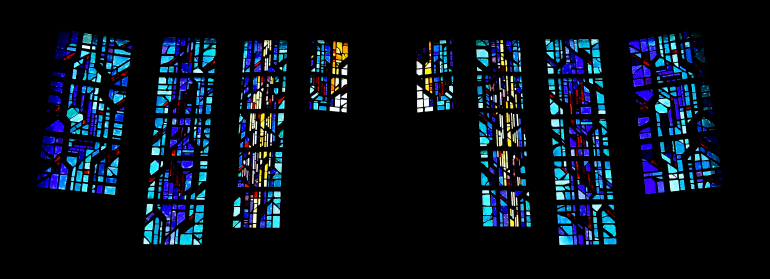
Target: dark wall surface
x: 383, y: 180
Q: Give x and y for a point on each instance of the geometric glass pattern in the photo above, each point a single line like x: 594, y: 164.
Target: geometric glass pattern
x: 586, y: 224
x: 184, y: 95
x: 264, y: 56
x: 434, y: 75
x: 85, y: 113
x: 176, y: 192
x: 263, y: 92
x: 582, y: 173
x: 502, y: 141
x: 329, y: 76
x: 257, y: 209
x: 678, y: 144
x: 181, y: 224
x: 257, y: 196
x: 579, y: 56
x: 188, y: 56
x: 504, y: 208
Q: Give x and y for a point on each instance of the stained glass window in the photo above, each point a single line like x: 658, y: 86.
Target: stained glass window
x: 582, y: 172
x: 505, y: 199
x: 180, y: 145
x: 434, y: 75
x: 675, y: 116
x: 84, y: 137
x: 257, y: 197
x: 329, y: 76
x: 85, y: 113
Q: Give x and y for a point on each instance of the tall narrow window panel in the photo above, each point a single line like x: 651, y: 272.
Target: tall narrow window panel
x: 180, y: 144
x: 257, y: 197
x: 329, y: 76
x: 434, y: 75
x: 85, y: 112
x: 502, y: 142
x: 582, y: 170
x: 675, y: 115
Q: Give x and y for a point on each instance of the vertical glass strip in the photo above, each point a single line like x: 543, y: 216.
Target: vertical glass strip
x: 434, y: 75
x: 257, y: 209
x: 679, y: 144
x: 85, y: 111
x: 263, y: 92
x: 329, y: 76
x: 503, y: 208
x: 257, y: 197
x: 180, y: 144
x: 582, y: 170
x: 577, y: 56
x: 264, y: 56
x: 174, y: 224
x: 502, y: 142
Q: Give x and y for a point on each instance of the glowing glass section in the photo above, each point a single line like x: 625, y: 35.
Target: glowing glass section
x: 575, y: 136
x: 577, y: 96
x: 328, y: 78
x: 579, y: 56
x: 669, y: 58
x: 679, y: 147
x: 586, y: 224
x: 503, y: 208
x: 174, y: 224
x: 499, y: 92
x: 85, y: 111
x: 188, y: 55
x: 88, y: 57
x: 261, y: 130
x: 261, y: 126
x: 184, y: 95
x: 260, y: 169
x: 580, y: 144
x: 579, y: 137
x: 260, y: 164
x: 263, y: 92
x: 267, y: 56
x: 176, y: 179
x: 498, y: 56
x: 501, y: 129
x: 181, y: 136
x: 434, y: 76
x: 583, y: 180
x: 85, y: 166
x: 180, y: 143
x: 502, y: 142
x: 256, y: 209
x: 503, y: 168
x: 434, y: 57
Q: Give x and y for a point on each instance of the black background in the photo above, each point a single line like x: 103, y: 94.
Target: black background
x: 383, y: 184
